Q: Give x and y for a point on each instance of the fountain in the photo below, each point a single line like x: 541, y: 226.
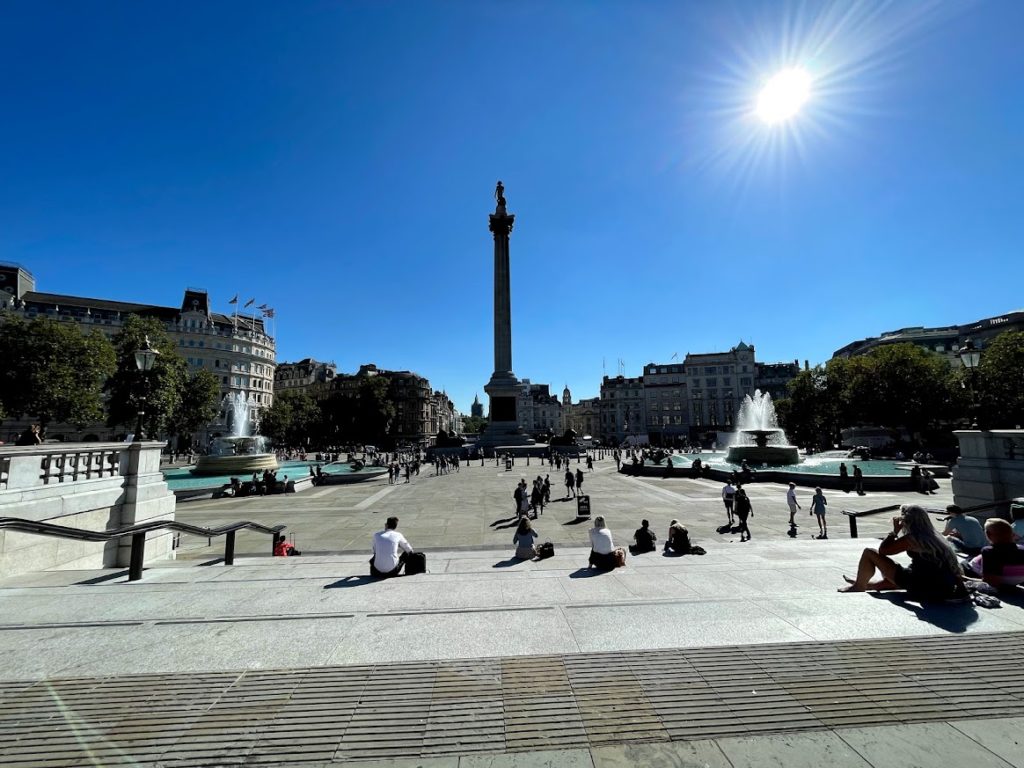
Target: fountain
x: 759, y: 439
x: 240, y: 453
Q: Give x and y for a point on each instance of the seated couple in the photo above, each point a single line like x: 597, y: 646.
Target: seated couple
x: 678, y: 540
x: 604, y: 555
x: 386, y: 560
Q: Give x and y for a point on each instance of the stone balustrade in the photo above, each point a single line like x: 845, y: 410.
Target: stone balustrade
x: 990, y: 468
x: 97, y: 486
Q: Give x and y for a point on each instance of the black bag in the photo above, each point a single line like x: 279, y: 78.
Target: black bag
x: 415, y: 562
x: 545, y: 550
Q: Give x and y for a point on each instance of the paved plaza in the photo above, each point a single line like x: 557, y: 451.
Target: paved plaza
x: 746, y: 656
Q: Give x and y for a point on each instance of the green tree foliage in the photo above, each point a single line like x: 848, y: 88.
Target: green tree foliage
x: 375, y: 411
x: 158, y: 392
x: 198, y: 405
x: 292, y: 420
x: 474, y: 424
x: 1000, y: 381
x: 899, y: 386
x: 52, y: 371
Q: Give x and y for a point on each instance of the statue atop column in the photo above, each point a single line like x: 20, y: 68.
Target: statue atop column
x: 499, y: 195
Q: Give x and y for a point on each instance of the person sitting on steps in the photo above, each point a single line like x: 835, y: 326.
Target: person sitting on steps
x: 644, y: 538
x: 386, y: 561
x: 282, y: 548
x: 525, y: 540
x: 934, y: 572
x: 678, y: 540
x: 602, y: 547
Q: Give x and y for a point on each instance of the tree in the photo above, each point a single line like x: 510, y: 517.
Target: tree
x: 292, y: 419
x: 474, y: 424
x: 198, y: 405
x: 157, y: 392
x: 901, y: 385
x: 52, y: 371
x: 1000, y: 381
x: 375, y: 412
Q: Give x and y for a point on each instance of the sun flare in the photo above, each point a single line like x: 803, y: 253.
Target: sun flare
x: 784, y: 95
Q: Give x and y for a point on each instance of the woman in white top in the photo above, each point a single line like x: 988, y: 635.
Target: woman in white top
x: 602, y: 548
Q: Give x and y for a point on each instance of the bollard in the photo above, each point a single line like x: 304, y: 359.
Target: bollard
x: 853, y: 526
x: 229, y: 548
x: 138, y: 555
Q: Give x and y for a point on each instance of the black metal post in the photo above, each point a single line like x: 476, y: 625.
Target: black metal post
x: 853, y: 526
x: 229, y: 548
x: 138, y: 554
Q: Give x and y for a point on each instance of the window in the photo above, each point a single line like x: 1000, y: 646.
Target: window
x: 710, y: 370
x: 712, y: 383
x: 745, y: 382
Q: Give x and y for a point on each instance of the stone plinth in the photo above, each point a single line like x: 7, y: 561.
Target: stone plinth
x: 991, y: 466
x: 96, y: 486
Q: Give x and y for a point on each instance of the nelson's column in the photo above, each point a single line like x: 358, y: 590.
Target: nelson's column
x: 503, y: 388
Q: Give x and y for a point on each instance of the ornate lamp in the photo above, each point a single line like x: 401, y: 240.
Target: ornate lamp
x: 144, y: 361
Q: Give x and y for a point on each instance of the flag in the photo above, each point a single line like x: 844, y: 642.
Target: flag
x: 249, y: 303
x: 268, y: 312
x: 234, y: 300
x: 263, y: 306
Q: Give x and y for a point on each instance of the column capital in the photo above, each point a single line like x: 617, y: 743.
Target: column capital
x: 501, y: 224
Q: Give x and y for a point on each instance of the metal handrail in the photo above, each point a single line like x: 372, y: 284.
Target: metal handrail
x: 852, y: 515
x: 138, y: 534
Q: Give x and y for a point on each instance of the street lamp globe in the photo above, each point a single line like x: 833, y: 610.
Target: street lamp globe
x: 144, y: 360
x: 146, y: 357
x: 969, y: 355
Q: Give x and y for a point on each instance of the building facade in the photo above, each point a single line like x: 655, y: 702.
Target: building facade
x: 945, y: 340
x: 774, y: 378
x: 307, y: 375
x: 476, y: 410
x: 235, y: 348
x: 539, y: 411
x: 622, y: 410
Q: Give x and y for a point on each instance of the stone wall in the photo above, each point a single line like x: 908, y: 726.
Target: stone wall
x: 96, y: 486
x: 991, y: 466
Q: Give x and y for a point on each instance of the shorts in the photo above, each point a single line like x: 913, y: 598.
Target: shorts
x: 922, y: 585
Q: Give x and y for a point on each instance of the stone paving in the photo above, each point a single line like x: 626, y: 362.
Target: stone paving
x: 474, y: 508
x: 745, y: 656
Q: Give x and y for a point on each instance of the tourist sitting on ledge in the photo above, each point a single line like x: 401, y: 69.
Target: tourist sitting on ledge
x: 603, y: 553
x: 282, y: 548
x: 644, y: 538
x: 1002, y: 563
x: 964, y: 532
x: 934, y: 572
x: 525, y: 540
x: 386, y: 560
x: 678, y: 540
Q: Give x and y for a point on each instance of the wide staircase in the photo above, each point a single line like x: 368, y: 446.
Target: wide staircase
x: 745, y: 656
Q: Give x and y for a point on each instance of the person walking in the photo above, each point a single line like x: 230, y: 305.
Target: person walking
x: 793, y: 504
x: 818, y: 505
x: 517, y: 497
x: 743, y: 510
x: 579, y: 481
x: 844, y: 477
x: 547, y: 489
x: 728, y: 496
x: 570, y: 484
x: 537, y: 497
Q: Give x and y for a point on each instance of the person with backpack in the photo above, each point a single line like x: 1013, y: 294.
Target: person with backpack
x: 386, y: 560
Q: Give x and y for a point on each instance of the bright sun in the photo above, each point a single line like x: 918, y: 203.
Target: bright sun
x: 783, y: 95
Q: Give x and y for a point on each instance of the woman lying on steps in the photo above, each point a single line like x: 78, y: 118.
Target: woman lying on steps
x: 934, y: 572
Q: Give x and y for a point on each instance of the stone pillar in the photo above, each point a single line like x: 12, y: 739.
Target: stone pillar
x: 501, y: 227
x: 504, y: 428
x: 990, y: 468
x: 146, y: 498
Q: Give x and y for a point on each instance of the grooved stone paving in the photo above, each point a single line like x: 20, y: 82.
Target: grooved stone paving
x: 518, y: 704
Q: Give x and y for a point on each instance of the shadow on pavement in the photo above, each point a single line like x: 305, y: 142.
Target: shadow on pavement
x: 577, y: 521
x: 351, y: 581
x: 501, y: 520
x: 509, y: 563
x: 955, y: 618
x: 587, y: 573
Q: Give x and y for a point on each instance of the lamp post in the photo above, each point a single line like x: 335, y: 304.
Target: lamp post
x: 970, y: 356
x: 144, y: 360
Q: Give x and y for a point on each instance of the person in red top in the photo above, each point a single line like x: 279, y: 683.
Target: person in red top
x: 282, y: 548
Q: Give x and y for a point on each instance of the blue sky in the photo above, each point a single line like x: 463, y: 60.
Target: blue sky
x: 338, y: 160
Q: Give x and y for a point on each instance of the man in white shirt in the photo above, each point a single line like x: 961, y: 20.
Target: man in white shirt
x: 728, y: 496
x: 792, y: 502
x: 386, y: 560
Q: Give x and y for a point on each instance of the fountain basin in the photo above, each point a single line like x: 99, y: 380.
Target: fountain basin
x: 777, y: 455
x: 244, y: 464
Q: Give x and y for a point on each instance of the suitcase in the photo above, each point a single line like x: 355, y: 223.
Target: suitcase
x: 545, y: 550
x: 415, y: 562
